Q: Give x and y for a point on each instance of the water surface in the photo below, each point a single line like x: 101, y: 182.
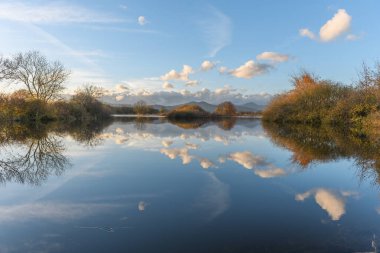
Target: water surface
x: 149, y: 185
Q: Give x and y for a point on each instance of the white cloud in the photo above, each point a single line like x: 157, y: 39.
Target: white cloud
x: 273, y: 57
x: 174, y: 75
x: 217, y: 30
x: 249, y: 70
x: 258, y: 164
x: 223, y: 70
x: 142, y: 20
x: 119, y: 97
x: 304, y: 32
x: 338, y: 25
x: 142, y: 206
x: 121, y: 88
x: 206, y: 163
x: 167, y: 143
x: 183, y: 153
x: 192, y: 83
x: 52, y: 13
x: 246, y: 159
x: 271, y: 172
x: 123, y: 6
x: 207, y: 65
x: 332, y: 202
x: 352, y: 37
x: 219, y: 95
x: 167, y: 86
x: 191, y: 145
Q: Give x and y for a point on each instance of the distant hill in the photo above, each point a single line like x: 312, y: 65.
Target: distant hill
x: 248, y: 107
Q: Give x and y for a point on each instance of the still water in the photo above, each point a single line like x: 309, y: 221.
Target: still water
x: 149, y: 185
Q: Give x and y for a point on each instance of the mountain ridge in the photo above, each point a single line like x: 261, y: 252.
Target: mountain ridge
x: 247, y: 107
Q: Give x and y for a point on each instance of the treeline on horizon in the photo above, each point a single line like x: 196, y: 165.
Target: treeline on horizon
x: 38, y: 85
x: 315, y: 101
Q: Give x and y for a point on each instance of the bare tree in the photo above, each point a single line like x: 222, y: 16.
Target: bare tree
x: 43, y: 79
x: 42, y: 157
x: 6, y: 68
x: 140, y: 107
x: 87, y: 94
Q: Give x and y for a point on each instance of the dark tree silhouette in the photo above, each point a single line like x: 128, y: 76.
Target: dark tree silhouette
x: 43, y: 79
x: 42, y: 157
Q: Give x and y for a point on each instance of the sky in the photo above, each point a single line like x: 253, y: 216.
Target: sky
x: 178, y: 51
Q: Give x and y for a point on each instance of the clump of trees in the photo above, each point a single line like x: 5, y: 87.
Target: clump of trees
x: 317, y: 101
x: 225, y: 109
x: 40, y: 98
x: 141, y: 108
x: 188, y: 111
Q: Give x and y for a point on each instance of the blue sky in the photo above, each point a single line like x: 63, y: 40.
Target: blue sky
x: 138, y: 49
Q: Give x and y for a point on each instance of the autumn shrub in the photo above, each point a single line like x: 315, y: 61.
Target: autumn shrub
x: 316, y: 101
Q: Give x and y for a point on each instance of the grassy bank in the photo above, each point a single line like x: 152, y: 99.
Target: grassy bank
x: 315, y: 101
x: 20, y: 107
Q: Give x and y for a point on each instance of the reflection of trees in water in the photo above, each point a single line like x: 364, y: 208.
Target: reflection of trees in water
x: 86, y: 133
x: 225, y: 123
x: 321, y: 144
x: 31, y: 153
x: 140, y: 122
x: 41, y: 158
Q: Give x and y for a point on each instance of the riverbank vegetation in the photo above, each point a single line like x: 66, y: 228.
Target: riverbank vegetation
x: 315, y: 101
x: 314, y: 144
x: 37, y: 96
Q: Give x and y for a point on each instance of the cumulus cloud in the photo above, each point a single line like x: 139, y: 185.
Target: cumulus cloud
x: 167, y: 86
x: 258, y: 164
x: 142, y: 20
x: 142, y: 206
x: 338, y: 25
x: 121, y: 88
x: 183, y: 153
x: 223, y: 70
x: 192, y: 83
x: 332, y: 202
x: 273, y: 57
x: 216, y: 96
x: 191, y: 145
x: 167, y: 143
x: 271, y: 172
x: 247, y: 159
x: 250, y: 69
x: 304, y: 32
x: 119, y: 97
x: 174, y: 75
x: 206, y: 163
x: 207, y: 65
